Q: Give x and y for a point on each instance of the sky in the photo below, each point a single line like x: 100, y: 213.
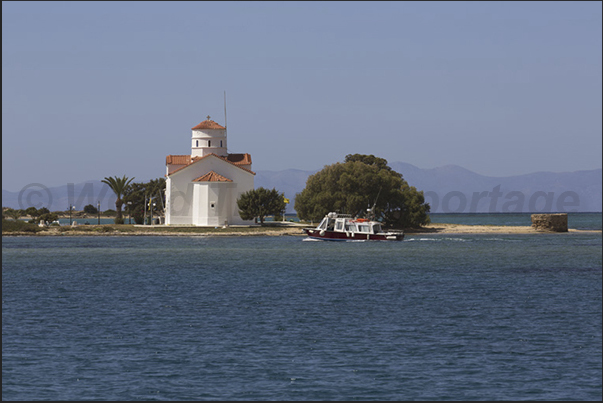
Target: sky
x: 97, y: 89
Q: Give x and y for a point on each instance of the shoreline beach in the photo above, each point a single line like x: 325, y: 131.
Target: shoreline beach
x: 281, y: 230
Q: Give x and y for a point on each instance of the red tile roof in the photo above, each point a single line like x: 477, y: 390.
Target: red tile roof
x: 208, y: 124
x: 211, y: 176
x: 178, y: 160
x: 241, y: 159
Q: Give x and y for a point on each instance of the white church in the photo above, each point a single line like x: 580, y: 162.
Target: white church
x: 202, y: 188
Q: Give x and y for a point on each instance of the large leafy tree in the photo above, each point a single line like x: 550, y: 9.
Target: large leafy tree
x: 362, y: 182
x: 260, y: 203
x: 32, y: 212
x: 35, y: 214
x: 15, y: 214
x: 90, y: 209
x: 118, y: 186
x: 137, y: 193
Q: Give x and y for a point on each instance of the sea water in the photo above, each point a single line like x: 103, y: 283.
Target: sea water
x: 584, y: 221
x: 437, y: 317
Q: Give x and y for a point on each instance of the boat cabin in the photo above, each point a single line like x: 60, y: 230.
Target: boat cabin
x: 345, y: 223
x: 343, y: 227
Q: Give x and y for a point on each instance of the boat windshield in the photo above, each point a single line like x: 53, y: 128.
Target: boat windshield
x: 323, y: 224
x: 363, y: 228
x: 376, y: 228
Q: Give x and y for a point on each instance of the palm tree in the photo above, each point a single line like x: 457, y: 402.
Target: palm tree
x: 118, y: 186
x: 14, y: 214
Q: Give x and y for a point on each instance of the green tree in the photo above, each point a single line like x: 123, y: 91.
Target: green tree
x: 380, y: 163
x: 14, y: 214
x: 260, y: 203
x: 118, y: 186
x: 33, y: 213
x: 43, y: 210
x: 137, y: 193
x: 410, y: 211
x: 362, y: 182
x: 48, y: 217
x: 90, y: 209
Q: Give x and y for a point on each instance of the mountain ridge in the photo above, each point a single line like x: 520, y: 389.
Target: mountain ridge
x: 449, y: 189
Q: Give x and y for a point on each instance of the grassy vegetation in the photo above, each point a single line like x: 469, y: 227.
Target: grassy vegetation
x: 19, y: 227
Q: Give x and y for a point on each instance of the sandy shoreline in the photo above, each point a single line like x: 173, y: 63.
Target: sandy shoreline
x: 290, y: 230
x: 488, y: 229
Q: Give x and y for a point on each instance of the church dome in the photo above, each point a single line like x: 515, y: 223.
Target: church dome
x: 208, y: 124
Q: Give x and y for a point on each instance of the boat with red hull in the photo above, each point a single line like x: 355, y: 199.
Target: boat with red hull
x: 343, y: 227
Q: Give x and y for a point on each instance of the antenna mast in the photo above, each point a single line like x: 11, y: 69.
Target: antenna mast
x: 225, y: 109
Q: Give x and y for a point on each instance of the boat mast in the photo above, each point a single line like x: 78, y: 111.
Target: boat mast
x: 371, y: 211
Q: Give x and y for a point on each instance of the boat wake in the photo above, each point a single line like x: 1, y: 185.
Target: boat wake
x: 332, y: 240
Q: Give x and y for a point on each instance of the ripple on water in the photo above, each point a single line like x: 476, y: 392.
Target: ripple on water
x: 277, y: 318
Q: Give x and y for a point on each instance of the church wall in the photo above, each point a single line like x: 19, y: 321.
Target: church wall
x: 191, y: 201
x: 218, y: 200
x: 171, y: 168
x: 181, y: 198
x: 199, y: 196
x: 201, y: 147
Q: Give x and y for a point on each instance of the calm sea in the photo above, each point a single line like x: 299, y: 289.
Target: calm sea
x: 435, y: 317
x: 588, y: 221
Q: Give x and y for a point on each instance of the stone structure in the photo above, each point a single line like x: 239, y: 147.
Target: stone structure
x: 550, y: 222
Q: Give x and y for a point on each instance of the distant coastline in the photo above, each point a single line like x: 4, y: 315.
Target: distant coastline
x: 448, y: 189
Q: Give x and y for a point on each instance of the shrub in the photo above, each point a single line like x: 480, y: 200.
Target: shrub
x: 48, y: 217
x: 19, y: 226
x: 138, y: 217
x: 104, y: 228
x: 90, y: 209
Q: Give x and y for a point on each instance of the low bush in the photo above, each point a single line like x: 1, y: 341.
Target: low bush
x: 104, y: 228
x: 19, y: 226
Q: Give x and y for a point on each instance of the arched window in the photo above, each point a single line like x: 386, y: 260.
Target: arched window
x: 209, y: 143
x: 220, y: 143
x: 197, y: 143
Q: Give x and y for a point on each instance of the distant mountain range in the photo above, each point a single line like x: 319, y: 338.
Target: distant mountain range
x: 452, y: 188
x: 448, y: 189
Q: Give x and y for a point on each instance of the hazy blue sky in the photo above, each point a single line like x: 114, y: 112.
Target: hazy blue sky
x: 95, y: 89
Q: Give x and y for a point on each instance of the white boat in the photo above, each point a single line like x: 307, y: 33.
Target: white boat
x: 343, y: 227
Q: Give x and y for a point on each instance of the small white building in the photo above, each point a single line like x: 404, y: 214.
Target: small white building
x: 202, y: 188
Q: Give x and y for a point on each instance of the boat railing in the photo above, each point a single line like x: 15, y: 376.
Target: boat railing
x: 339, y: 215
